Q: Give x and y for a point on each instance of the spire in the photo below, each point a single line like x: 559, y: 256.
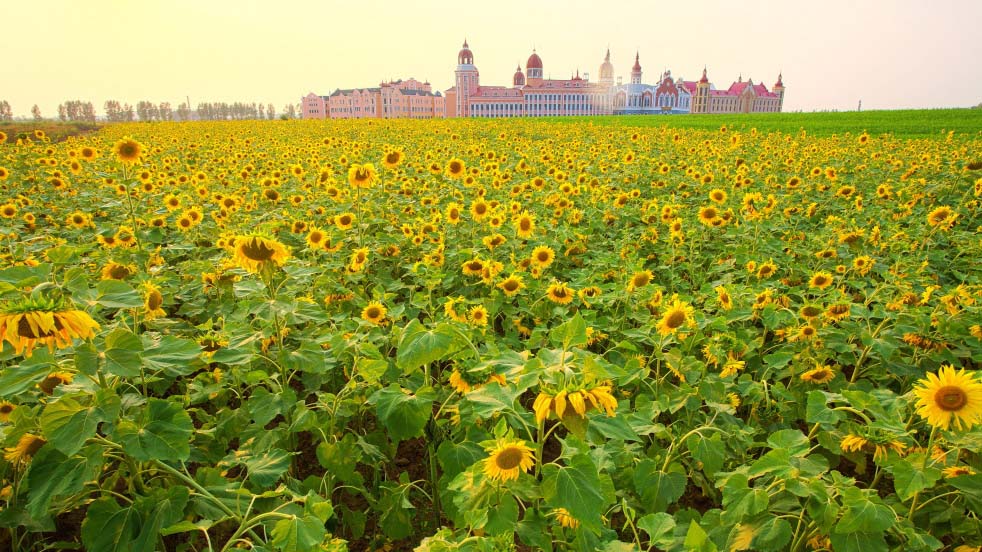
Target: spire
x: 607, y: 57
x: 465, y: 43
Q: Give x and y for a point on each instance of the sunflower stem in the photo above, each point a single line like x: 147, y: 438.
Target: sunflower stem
x: 927, y: 455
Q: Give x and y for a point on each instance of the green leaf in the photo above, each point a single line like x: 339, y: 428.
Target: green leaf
x: 66, y: 423
x: 175, y: 356
x: 658, y: 489
x: 971, y: 488
x: 659, y: 528
x: 25, y: 276
x: 123, y: 351
x: 419, y: 346
x: 773, y: 534
x: 298, y: 534
x: 502, y: 517
x: 267, y: 468
x: 791, y: 439
x: 87, y: 358
x: 859, y: 542
x: 404, y: 414
x: 340, y: 459
x: 740, y: 502
x: 909, y: 479
x: 163, y: 508
x: 577, y: 488
x: 818, y: 411
x: 709, y: 452
x: 111, y: 528
x: 29, y: 373
x: 569, y: 334
x: 115, y: 294
x: 162, y: 431
x: 54, y: 475
x: 863, y: 514
x: 456, y: 457
x: 697, y: 539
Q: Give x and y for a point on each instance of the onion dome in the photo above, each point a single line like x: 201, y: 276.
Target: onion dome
x: 637, y: 64
x: 465, y: 57
x: 779, y: 83
x: 519, y: 78
x: 607, y: 68
x: 534, y: 62
x: 704, y: 79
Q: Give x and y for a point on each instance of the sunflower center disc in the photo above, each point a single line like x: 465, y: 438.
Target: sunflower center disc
x: 509, y: 458
x: 675, y: 319
x: 257, y: 251
x: 950, y: 398
x: 24, y: 330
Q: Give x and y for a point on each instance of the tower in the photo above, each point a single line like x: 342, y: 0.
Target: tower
x: 779, y: 90
x: 519, y: 79
x: 700, y: 103
x: 467, y: 79
x: 533, y: 68
x: 607, y: 71
x: 636, y: 70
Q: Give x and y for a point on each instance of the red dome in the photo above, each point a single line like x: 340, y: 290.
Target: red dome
x: 534, y: 62
x: 465, y: 56
x: 519, y: 78
x: 637, y: 64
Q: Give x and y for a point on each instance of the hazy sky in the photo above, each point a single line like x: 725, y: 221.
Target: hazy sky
x: 833, y: 53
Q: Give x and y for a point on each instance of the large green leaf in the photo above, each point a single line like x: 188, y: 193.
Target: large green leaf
x: 659, y: 528
x: 67, y: 423
x: 864, y: 512
x: 576, y: 488
x: 419, y: 346
x: 709, y: 452
x: 174, y: 355
x: 266, y: 469
x: 163, y: 508
x: 116, y: 294
x: 569, y: 334
x: 909, y: 479
x: 658, y: 489
x: 123, y: 352
x: 161, y: 431
x: 740, y: 502
x: 403, y: 413
x: 859, y: 542
x: 53, y: 474
x: 18, y: 379
x: 772, y: 534
x: 108, y: 527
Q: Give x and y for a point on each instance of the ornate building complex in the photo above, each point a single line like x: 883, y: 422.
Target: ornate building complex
x: 532, y: 95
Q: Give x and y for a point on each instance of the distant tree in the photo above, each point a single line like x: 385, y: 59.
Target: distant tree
x: 143, y: 110
x: 6, y: 113
x: 62, y: 113
x: 164, y: 112
x: 262, y: 111
x: 113, y: 111
x: 183, y: 112
x: 291, y: 112
x: 128, y: 114
x: 270, y: 112
x: 88, y: 112
x: 36, y: 112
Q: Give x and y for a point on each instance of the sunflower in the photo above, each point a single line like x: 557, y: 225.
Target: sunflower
x: 493, y: 241
x: 6, y: 409
x: 4, y: 173
x: 837, y: 312
x: 560, y: 292
x: 392, y: 159
x: 252, y: 252
x: 820, y: 280
x: 950, y: 398
x: 525, y: 225
x: 480, y: 210
x: 574, y: 403
x: 853, y: 443
x: 678, y: 314
x: 25, y: 449
x: 863, y: 264
x: 455, y: 168
x: 941, y: 217
x: 822, y: 373
x: 707, y: 215
x: 478, y: 316
x: 116, y: 271
x: 717, y: 196
x: 128, y: 150
x: 766, y: 270
x: 152, y: 301
x: 473, y: 267
x: 43, y: 321
x: 542, y: 256
x: 344, y: 221
x: 723, y: 297
x: 8, y: 210
x: 361, y: 176
x: 565, y: 519
x: 957, y: 471
x: 639, y: 279
x: 508, y: 458
x: 374, y: 312
x: 512, y: 285
x: 316, y: 238
x: 53, y: 380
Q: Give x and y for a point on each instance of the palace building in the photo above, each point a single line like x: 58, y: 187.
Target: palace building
x: 531, y: 95
x: 408, y: 99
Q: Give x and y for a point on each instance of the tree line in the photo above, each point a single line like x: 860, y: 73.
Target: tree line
x: 116, y: 112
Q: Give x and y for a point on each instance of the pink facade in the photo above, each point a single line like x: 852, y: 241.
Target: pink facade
x: 400, y: 99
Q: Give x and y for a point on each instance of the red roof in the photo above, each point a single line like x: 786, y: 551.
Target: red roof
x: 534, y: 62
x: 690, y: 86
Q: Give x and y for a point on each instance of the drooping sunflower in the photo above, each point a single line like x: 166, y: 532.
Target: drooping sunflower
x: 565, y: 519
x: 117, y: 271
x: 574, y: 403
x: 34, y: 322
x: 723, y: 297
x: 253, y: 252
x: 940, y: 216
x: 822, y: 373
x: 950, y: 398
x: 678, y: 314
x: 128, y: 150
x: 374, y: 312
x: 153, y: 300
x: 361, y: 176
x: 508, y: 458
x: 53, y: 380
x: 25, y: 449
x: 837, y: 311
x: 766, y: 269
x: 542, y: 256
x: 6, y: 409
x: 560, y: 292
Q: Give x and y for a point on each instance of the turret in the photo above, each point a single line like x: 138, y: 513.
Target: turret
x: 533, y: 68
x: 636, y: 70
x: 779, y: 90
x: 467, y: 79
x: 607, y: 71
x: 519, y: 79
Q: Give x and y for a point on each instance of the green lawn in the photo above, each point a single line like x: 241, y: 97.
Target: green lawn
x: 903, y: 123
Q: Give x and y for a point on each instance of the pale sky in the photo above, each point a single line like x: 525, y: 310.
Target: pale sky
x: 833, y: 53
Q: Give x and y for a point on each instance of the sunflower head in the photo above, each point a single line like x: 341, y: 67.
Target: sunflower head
x: 950, y: 398
x: 43, y: 321
x: 508, y: 458
x: 374, y: 313
x: 128, y: 150
x: 253, y: 252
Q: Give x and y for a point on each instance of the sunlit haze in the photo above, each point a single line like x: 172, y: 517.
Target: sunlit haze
x: 889, y: 54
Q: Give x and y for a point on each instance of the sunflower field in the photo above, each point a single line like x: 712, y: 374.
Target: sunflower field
x: 487, y: 336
